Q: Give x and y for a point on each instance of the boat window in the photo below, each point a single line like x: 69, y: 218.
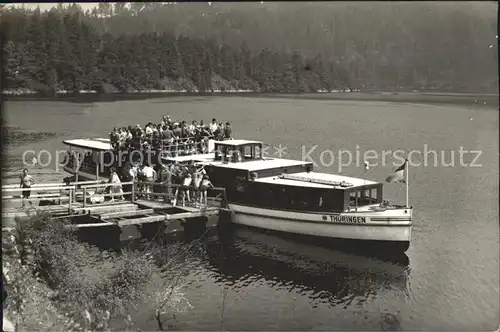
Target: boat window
x: 258, y: 152
x: 363, y: 197
x: 248, y: 151
x: 352, y: 198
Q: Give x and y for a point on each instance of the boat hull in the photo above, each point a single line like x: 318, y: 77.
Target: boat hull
x: 378, y: 228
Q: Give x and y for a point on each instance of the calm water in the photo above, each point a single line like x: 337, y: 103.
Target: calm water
x: 271, y: 283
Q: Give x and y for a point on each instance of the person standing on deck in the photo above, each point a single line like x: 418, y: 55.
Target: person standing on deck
x: 228, y: 132
x: 219, y: 133
x: 191, y: 128
x: 26, y: 182
x: 177, y: 137
x: 149, y: 129
x: 213, y: 126
x: 116, y: 188
x: 183, y: 128
x: 114, y: 138
x: 150, y: 176
x: 167, y: 120
x: 168, y: 139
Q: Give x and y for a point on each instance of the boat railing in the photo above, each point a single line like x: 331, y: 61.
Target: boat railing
x: 174, y: 140
x: 185, y: 146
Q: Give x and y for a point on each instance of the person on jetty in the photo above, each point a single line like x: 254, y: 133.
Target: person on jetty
x: 116, y: 188
x: 165, y: 178
x: 26, y: 182
x: 183, y: 190
x: 204, y: 185
x: 149, y: 177
x: 131, y: 176
x: 197, y: 176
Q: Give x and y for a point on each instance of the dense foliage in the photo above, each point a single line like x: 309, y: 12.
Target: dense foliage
x: 56, y: 282
x: 255, y: 46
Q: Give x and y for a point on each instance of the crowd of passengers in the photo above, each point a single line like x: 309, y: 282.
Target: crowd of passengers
x: 175, y: 180
x: 170, y: 136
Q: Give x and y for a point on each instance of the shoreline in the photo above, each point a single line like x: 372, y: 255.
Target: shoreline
x: 436, y: 98
x: 476, y: 99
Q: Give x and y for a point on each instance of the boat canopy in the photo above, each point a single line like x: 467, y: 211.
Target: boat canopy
x: 319, y: 180
x: 95, y: 144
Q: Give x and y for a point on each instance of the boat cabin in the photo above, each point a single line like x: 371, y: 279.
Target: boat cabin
x: 238, y: 151
x: 316, y: 192
x: 86, y: 158
x: 253, y: 179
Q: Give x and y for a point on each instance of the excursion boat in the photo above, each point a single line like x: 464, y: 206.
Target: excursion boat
x: 287, y: 196
x: 83, y: 158
x: 283, y: 195
x: 89, y: 159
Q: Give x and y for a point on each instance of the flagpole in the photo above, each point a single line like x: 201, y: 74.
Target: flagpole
x: 406, y: 181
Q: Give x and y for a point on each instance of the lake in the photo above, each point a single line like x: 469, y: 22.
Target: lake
x: 268, y: 282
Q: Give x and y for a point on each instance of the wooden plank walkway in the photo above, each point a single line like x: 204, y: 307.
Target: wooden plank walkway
x: 150, y: 211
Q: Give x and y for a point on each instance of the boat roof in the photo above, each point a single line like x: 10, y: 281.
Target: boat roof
x: 261, y: 164
x: 306, y: 179
x: 237, y: 142
x: 99, y: 144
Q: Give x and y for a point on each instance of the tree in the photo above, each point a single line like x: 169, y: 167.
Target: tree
x: 258, y: 45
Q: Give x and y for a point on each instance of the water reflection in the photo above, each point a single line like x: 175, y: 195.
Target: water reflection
x: 321, y: 273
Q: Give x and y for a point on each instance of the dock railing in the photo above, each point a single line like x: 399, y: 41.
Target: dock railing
x: 104, y: 190
x: 169, y: 192
x: 54, y: 184
x: 76, y: 194
x: 61, y: 193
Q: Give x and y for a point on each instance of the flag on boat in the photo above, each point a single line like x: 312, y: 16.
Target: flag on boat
x: 398, y: 175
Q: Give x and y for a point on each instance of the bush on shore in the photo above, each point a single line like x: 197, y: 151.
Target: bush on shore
x: 55, y: 282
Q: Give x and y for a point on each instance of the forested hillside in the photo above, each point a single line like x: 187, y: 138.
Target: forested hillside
x: 256, y: 46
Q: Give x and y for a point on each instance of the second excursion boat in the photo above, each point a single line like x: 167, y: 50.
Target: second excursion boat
x: 287, y: 196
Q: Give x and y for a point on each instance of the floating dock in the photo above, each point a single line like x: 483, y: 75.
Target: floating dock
x: 89, y: 199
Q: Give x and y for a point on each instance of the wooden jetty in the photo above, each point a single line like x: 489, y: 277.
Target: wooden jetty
x: 90, y: 198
